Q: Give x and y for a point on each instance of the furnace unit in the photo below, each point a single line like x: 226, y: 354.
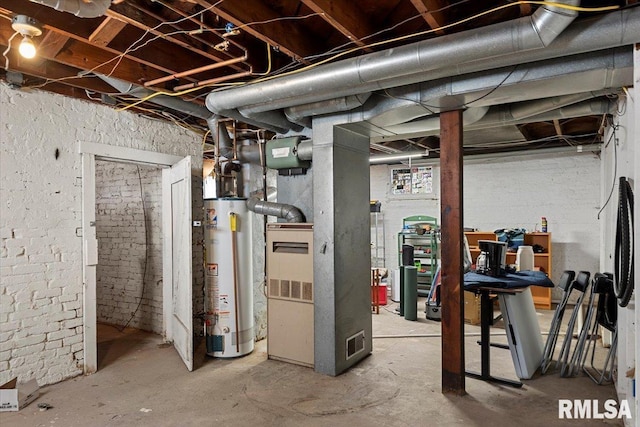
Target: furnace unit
x: 290, y: 293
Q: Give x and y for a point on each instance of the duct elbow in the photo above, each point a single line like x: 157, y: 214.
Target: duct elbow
x: 292, y: 214
x: 288, y: 212
x: 549, y: 21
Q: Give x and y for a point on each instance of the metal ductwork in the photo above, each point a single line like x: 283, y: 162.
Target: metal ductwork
x: 301, y: 113
x: 276, y: 119
x: 305, y: 150
x: 80, y: 8
x: 220, y: 136
x: 382, y: 69
x: 178, y: 104
x: 501, y: 116
x: 545, y: 86
x: 469, y: 116
x: 172, y: 102
x: 281, y: 210
x: 592, y: 107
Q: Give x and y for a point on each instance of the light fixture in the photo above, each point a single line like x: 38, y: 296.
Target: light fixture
x: 398, y: 157
x: 28, y: 28
x: 27, y: 49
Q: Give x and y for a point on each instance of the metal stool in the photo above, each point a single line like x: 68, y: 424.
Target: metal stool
x: 566, y: 282
x: 581, y: 284
x: 606, y: 317
x: 579, y: 354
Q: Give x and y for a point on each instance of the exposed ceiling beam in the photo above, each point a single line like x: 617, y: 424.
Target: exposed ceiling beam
x: 266, y: 25
x: 81, y: 29
x: 525, y: 9
x: 557, y: 126
x: 52, y: 43
x: 106, y: 31
x: 50, y: 70
x: 434, y: 19
x: 122, y: 12
x: 345, y: 16
x: 199, y: 25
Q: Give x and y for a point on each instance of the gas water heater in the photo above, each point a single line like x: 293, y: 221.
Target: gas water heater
x: 229, y: 285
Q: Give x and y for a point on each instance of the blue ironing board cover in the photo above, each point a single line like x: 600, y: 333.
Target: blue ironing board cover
x: 519, y: 279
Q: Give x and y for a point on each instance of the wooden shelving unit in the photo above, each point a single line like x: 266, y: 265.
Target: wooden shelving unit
x: 542, y: 261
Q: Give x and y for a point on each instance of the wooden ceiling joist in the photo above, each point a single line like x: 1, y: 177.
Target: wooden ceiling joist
x: 124, y: 12
x: 347, y: 18
x: 106, y: 31
x: 51, y: 44
x: 265, y: 25
x: 427, y: 9
x: 53, y: 71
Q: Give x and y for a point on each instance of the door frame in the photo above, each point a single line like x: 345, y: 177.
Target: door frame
x: 90, y: 153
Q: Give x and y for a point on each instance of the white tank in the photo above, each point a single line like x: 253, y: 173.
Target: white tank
x: 524, y: 258
x: 229, y: 284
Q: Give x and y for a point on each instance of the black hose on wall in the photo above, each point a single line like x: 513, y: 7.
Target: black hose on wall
x: 624, y: 265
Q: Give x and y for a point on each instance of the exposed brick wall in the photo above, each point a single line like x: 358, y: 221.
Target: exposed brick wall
x: 41, y: 289
x: 515, y: 193
x: 130, y: 249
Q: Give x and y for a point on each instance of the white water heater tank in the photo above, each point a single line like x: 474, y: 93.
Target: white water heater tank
x: 228, y: 278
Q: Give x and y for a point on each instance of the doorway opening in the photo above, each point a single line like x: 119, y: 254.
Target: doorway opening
x: 171, y: 271
x: 129, y: 272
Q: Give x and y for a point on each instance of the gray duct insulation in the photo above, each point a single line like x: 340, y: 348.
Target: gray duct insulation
x: 385, y: 69
x: 81, y: 9
x: 499, y: 116
x: 281, y: 210
x: 600, y: 32
x: 172, y: 102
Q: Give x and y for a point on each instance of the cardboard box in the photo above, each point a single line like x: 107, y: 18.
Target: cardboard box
x: 14, y: 397
x: 471, y: 308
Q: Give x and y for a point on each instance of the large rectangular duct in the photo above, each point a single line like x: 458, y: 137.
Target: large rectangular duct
x: 342, y: 253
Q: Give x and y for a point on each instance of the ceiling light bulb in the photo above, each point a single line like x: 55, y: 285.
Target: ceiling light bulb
x: 27, y: 49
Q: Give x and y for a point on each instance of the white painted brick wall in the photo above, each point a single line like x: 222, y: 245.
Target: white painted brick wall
x: 620, y: 159
x: 41, y: 286
x: 515, y: 193
x: 127, y: 244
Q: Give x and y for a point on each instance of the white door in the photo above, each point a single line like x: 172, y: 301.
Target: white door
x: 177, y: 272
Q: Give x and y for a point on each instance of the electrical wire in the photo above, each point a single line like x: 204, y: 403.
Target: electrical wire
x: 6, y: 64
x: 146, y: 252
x: 615, y: 165
x: 383, y: 42
x: 444, y: 27
x: 377, y: 33
x: 431, y: 108
x: 204, y: 138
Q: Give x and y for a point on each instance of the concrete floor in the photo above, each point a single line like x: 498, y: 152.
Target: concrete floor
x: 143, y: 382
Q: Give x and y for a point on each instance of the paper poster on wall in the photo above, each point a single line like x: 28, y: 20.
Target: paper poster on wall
x: 415, y: 180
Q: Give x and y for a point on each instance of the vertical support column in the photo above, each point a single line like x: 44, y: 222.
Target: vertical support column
x: 341, y: 247
x: 452, y: 263
x: 90, y: 260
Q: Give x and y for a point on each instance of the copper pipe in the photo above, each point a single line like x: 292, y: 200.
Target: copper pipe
x: 212, y: 81
x: 196, y: 70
